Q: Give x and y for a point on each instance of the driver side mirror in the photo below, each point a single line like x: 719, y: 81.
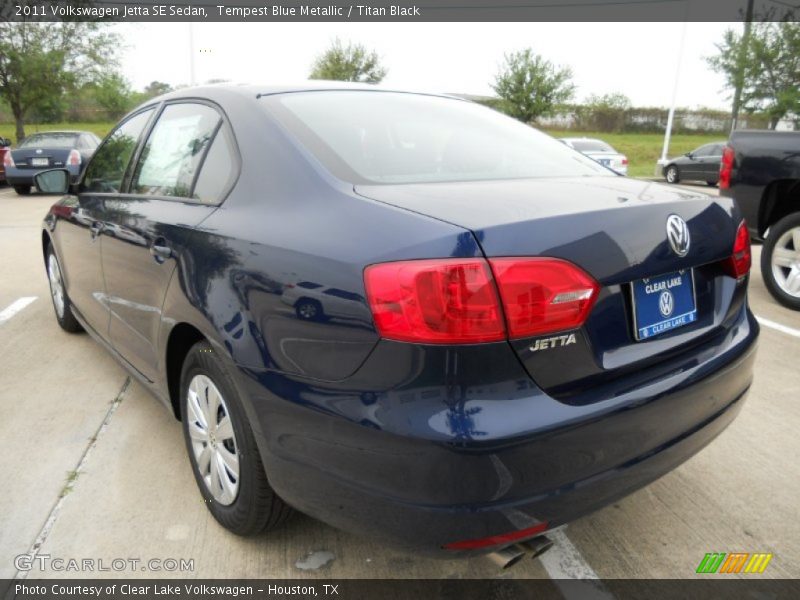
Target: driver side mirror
x: 54, y: 181
x: 689, y: 155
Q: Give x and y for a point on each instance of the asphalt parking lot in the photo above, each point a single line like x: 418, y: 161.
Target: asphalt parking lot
x: 94, y: 468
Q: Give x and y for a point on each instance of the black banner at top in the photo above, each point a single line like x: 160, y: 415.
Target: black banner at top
x: 395, y: 10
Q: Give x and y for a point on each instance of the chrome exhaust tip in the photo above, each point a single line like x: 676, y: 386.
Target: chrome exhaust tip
x: 507, y: 557
x: 537, y: 546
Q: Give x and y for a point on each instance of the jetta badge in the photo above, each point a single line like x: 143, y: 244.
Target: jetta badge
x: 678, y: 235
x: 38, y: 151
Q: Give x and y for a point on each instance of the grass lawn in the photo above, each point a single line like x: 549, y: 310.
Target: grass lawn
x: 100, y: 129
x: 644, y: 149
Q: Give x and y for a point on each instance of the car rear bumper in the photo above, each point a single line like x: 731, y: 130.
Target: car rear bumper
x: 17, y: 176
x: 423, y: 466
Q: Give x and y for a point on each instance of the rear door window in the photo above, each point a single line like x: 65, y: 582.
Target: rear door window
x: 104, y: 174
x: 175, y: 149
x: 218, y: 171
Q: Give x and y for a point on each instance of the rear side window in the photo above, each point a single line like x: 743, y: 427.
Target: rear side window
x: 104, y: 174
x: 388, y: 137
x: 218, y: 171
x: 591, y: 146
x: 50, y: 140
x: 175, y: 149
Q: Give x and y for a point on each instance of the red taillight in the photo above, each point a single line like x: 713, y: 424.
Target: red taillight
x: 543, y: 295
x: 453, y: 301
x: 8, y: 160
x: 624, y: 160
x: 74, y: 158
x: 435, y: 301
x: 726, y: 167
x: 738, y: 265
x: 496, y: 540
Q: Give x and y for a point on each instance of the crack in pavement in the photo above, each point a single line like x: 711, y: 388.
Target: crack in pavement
x: 72, y: 477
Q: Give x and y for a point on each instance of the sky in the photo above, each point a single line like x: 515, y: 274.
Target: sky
x: 639, y: 60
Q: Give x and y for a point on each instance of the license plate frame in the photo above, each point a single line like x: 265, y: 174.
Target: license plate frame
x: 684, y: 309
x: 40, y: 162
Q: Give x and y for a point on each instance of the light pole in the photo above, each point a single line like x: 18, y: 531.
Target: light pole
x: 192, y: 79
x: 671, y: 117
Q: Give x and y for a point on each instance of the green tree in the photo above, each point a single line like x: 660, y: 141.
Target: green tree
x: 113, y: 93
x: 39, y: 62
x: 156, y: 88
x: 531, y: 87
x: 352, y: 62
x: 604, y: 113
x: 769, y: 67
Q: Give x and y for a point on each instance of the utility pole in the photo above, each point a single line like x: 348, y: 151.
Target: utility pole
x: 737, y: 95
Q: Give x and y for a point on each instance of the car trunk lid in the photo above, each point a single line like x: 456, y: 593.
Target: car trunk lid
x: 614, y: 229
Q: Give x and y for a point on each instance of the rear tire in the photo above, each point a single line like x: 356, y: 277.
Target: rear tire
x: 711, y: 183
x: 231, y: 479
x: 62, y: 305
x: 22, y: 190
x: 672, y: 174
x: 780, y: 261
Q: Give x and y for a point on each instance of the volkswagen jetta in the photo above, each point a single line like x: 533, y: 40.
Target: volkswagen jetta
x: 518, y: 335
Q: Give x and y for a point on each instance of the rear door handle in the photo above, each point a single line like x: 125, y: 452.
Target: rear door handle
x: 159, y: 250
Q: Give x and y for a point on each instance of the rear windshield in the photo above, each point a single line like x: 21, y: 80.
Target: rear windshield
x: 50, y: 140
x: 591, y: 146
x: 389, y: 137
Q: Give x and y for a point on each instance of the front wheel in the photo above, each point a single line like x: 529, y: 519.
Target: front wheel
x: 58, y: 293
x: 672, y: 174
x: 22, y: 190
x: 222, y: 450
x: 780, y: 261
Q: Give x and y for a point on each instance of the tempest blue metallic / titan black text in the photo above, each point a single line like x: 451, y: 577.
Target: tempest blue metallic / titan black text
x: 403, y: 314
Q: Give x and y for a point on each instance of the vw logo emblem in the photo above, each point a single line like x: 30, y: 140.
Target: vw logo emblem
x: 666, y: 304
x: 678, y: 235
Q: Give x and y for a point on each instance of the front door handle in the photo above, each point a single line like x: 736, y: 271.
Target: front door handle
x: 159, y: 250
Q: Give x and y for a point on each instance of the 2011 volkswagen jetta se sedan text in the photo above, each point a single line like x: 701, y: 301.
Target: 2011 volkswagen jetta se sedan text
x: 403, y: 314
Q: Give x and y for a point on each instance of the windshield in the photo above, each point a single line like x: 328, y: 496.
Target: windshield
x: 591, y: 146
x: 50, y: 140
x: 388, y: 137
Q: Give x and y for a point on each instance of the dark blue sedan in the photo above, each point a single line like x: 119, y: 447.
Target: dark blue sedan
x: 505, y: 335
x: 69, y: 150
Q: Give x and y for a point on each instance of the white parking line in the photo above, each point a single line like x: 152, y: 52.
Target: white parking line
x: 565, y: 564
x: 15, y: 307
x: 778, y: 327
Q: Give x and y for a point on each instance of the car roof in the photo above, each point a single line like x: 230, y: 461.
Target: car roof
x: 255, y: 91
x: 584, y: 139
x: 58, y: 131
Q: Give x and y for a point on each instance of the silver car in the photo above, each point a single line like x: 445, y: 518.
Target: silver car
x: 601, y: 152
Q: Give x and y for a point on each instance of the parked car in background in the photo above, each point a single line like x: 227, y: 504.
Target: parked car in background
x: 761, y: 170
x: 701, y: 164
x: 522, y: 336
x: 601, y: 152
x: 5, y: 145
x: 38, y: 152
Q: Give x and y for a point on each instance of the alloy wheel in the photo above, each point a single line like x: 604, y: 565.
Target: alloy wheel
x: 785, y: 262
x: 213, y: 440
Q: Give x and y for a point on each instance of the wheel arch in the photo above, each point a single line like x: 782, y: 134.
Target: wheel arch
x: 780, y: 199
x: 181, y: 339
